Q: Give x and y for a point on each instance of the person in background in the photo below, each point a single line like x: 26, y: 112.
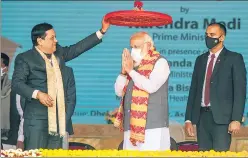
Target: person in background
x: 217, y: 93
x: 20, y: 105
x: 5, y: 96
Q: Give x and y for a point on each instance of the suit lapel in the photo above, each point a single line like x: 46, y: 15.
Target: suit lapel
x: 204, y: 65
x: 39, y: 58
x: 58, y: 60
x: 58, y: 57
x: 218, y: 62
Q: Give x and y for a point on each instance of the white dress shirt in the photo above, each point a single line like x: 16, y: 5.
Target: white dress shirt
x: 20, y: 111
x: 158, y: 138
x: 157, y: 78
x: 203, y: 90
x: 98, y: 34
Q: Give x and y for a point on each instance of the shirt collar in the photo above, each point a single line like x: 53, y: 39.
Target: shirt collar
x: 216, y: 54
x: 48, y: 55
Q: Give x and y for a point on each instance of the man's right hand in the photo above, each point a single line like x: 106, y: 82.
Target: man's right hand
x: 189, y: 129
x: 20, y: 145
x: 45, y: 99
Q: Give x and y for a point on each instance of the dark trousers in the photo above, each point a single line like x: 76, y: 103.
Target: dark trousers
x: 212, y: 136
x: 36, y: 135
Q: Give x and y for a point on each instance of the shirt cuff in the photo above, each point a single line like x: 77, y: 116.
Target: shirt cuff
x: 187, y: 121
x: 99, y: 34
x: 132, y: 73
x: 34, y: 95
x: 122, y: 78
x: 21, y: 138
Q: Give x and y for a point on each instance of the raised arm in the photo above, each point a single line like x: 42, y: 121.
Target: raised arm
x: 120, y: 84
x: 157, y: 78
x: 82, y: 46
x: 73, y: 51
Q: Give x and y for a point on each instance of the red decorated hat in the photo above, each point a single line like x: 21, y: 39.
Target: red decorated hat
x: 138, y: 17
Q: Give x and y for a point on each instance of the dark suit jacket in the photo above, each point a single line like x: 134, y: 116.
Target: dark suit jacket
x: 70, y: 96
x: 227, y: 88
x: 30, y: 73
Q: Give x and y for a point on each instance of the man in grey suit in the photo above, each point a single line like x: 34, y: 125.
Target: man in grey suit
x: 217, y: 94
x: 30, y: 80
x: 5, y: 95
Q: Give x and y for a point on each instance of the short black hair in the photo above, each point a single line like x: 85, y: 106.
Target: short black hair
x: 5, y: 59
x: 222, y: 27
x: 39, y: 31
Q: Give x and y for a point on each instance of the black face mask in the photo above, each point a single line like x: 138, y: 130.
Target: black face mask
x: 211, y: 42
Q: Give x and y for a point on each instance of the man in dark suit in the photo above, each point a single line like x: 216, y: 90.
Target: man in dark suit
x: 18, y: 103
x: 217, y: 94
x: 32, y: 79
x: 70, y: 99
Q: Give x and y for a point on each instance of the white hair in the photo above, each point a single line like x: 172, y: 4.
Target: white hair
x: 145, y: 35
x: 148, y: 39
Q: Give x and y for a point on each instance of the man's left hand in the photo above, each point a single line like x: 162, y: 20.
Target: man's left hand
x: 234, y: 127
x: 105, y: 25
x: 128, y: 65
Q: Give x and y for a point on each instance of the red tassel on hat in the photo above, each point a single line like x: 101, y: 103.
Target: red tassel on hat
x: 138, y: 4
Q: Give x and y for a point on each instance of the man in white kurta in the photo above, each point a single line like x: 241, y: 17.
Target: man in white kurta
x: 141, y: 43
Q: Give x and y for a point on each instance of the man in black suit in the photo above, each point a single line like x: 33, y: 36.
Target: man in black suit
x: 217, y: 94
x: 33, y: 79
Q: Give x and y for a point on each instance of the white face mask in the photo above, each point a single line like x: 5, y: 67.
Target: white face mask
x: 2, y: 73
x: 136, y: 55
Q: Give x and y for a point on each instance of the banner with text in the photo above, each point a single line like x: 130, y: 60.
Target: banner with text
x: 96, y: 70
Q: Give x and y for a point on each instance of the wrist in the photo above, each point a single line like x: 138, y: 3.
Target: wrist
x: 103, y: 31
x: 129, y: 71
x: 237, y: 121
x: 187, y: 121
x: 123, y: 73
x: 38, y: 95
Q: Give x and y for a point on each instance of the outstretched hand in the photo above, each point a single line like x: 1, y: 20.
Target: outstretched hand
x: 105, y: 25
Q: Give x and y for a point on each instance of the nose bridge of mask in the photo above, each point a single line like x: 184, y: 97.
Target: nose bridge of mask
x: 135, y: 51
